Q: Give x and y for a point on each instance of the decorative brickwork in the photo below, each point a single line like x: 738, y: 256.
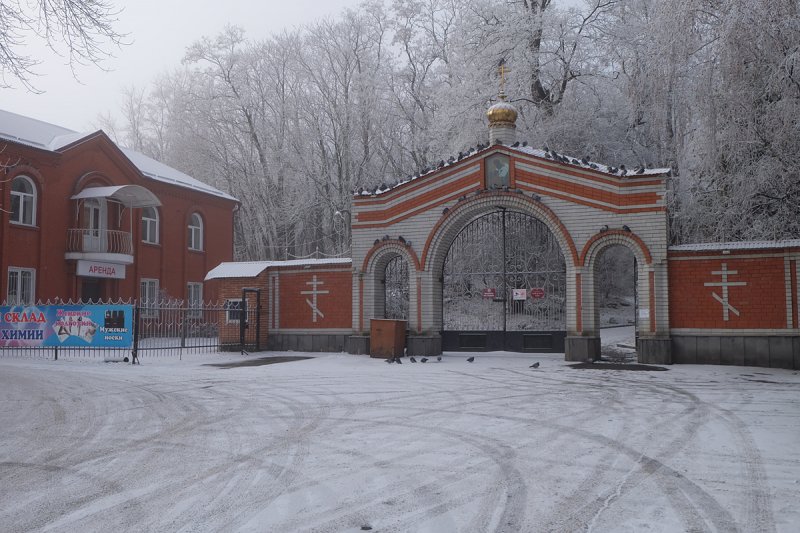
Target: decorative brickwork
x: 586, y: 210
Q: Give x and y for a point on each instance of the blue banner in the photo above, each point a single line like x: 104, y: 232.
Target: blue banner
x: 95, y: 326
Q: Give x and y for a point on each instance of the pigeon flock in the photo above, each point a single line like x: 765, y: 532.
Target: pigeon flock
x: 412, y: 359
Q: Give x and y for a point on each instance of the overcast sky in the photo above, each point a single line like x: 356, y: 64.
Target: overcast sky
x: 160, y: 31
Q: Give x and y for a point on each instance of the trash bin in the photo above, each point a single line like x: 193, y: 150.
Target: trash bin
x: 387, y: 338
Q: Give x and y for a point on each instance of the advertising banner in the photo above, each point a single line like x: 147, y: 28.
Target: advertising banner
x: 96, y: 326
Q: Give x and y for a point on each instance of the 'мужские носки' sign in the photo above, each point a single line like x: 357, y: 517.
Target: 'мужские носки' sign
x: 98, y: 326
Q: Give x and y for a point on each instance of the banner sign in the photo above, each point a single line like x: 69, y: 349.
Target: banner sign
x: 95, y: 326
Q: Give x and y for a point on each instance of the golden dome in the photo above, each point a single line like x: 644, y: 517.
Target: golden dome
x: 502, y: 112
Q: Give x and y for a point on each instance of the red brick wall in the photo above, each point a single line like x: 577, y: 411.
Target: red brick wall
x: 336, y: 305
x: 231, y: 289
x: 292, y: 310
x: 761, y: 303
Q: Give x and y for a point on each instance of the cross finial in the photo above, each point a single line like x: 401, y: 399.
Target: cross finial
x: 502, y: 69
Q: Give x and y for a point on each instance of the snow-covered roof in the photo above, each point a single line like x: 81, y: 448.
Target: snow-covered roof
x: 251, y: 269
x: 742, y: 245
x: 39, y: 134
x: 523, y: 147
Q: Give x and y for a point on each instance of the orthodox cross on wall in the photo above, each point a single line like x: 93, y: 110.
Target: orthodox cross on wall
x: 314, y: 292
x: 725, y: 284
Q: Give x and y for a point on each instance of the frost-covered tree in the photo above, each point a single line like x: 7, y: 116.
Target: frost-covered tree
x: 83, y: 30
x: 292, y: 124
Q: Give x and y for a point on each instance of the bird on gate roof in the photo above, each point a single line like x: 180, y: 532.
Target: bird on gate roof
x: 470, y: 359
x: 535, y: 365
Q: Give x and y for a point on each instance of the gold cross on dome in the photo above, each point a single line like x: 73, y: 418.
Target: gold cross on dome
x: 503, y: 70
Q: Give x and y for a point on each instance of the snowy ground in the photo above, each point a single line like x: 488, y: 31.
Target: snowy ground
x: 340, y: 442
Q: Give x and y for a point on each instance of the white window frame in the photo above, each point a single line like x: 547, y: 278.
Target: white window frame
x: 194, y: 297
x: 27, y: 202
x: 196, y: 232
x: 233, y: 314
x: 148, y: 297
x: 13, y: 296
x: 150, y: 225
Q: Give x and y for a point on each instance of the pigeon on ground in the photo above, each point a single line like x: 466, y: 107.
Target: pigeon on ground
x: 439, y: 358
x: 423, y: 360
x: 412, y: 359
x: 535, y: 365
x: 470, y: 359
x: 398, y: 361
x: 390, y: 360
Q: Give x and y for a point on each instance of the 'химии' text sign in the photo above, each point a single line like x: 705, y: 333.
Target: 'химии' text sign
x: 98, y: 326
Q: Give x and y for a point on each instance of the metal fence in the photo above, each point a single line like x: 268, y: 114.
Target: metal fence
x: 169, y: 328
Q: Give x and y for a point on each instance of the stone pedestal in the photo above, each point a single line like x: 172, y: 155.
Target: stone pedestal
x: 358, y: 344
x: 582, y: 349
x: 424, y: 345
x: 654, y: 350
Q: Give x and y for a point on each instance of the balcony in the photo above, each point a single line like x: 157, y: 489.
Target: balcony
x: 100, y: 245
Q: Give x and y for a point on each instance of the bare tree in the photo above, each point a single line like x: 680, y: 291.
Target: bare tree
x: 84, y: 29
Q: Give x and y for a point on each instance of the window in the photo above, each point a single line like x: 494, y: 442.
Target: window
x: 148, y: 298
x: 233, y: 310
x: 23, y: 201
x: 195, y: 232
x: 21, y: 286
x: 195, y: 294
x: 150, y: 225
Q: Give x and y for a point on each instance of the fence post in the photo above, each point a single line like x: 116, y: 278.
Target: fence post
x: 184, y: 315
x: 135, y: 350
x: 242, y: 321
x: 55, y: 351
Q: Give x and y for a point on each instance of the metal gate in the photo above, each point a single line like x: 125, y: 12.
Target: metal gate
x: 504, y: 286
x: 395, y: 287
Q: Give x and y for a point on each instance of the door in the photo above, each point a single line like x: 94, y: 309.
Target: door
x: 91, y: 289
x: 504, y: 286
x: 94, y: 225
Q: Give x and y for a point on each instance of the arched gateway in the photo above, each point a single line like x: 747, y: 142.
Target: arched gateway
x: 499, y: 247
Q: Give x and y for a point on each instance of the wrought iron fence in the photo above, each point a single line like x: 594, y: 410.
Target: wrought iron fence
x: 167, y: 328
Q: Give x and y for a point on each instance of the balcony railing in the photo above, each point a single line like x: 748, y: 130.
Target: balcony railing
x: 84, y: 240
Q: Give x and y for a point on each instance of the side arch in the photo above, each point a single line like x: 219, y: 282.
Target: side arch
x: 645, y: 285
x: 373, y: 269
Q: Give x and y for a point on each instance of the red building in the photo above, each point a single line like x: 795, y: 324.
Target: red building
x: 83, y: 218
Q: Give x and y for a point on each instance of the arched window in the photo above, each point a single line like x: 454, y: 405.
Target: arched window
x: 23, y: 201
x: 195, y: 232
x: 150, y: 225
